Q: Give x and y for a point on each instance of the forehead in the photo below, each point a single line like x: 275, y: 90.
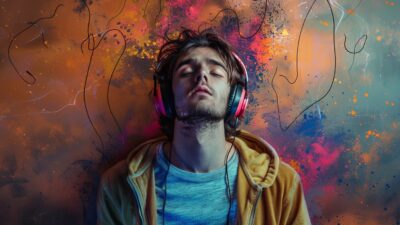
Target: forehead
x: 200, y: 54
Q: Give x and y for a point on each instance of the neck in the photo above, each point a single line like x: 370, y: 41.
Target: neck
x: 199, y: 148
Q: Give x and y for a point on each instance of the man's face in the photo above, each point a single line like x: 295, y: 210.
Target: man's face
x: 200, y: 85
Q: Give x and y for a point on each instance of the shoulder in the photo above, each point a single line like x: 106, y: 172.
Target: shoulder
x: 113, y: 181
x: 287, y: 171
x: 287, y: 176
x: 115, y: 173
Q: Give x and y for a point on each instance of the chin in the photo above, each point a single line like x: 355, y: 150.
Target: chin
x: 202, y: 112
x: 202, y: 107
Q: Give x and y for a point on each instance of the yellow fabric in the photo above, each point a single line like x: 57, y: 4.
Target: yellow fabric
x: 262, y: 178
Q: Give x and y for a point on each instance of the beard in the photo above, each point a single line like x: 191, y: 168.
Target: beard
x: 201, y: 116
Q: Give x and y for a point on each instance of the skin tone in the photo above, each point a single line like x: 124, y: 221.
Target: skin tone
x: 199, y: 146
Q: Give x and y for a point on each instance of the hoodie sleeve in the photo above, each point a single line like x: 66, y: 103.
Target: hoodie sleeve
x: 295, y: 210
x: 115, y: 205
x: 107, y: 212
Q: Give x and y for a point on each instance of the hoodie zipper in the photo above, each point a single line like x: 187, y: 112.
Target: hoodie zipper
x: 138, y: 201
x: 253, y: 210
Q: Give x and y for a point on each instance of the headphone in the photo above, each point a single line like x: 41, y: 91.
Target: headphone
x: 237, y: 102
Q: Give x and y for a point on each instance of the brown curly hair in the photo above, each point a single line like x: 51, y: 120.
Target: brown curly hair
x: 175, y: 47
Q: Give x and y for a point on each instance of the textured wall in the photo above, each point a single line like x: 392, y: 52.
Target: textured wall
x: 76, y: 76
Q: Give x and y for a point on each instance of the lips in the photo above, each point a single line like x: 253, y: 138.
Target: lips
x: 201, y: 89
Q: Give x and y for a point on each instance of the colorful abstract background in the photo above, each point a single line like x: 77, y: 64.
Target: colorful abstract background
x: 76, y: 81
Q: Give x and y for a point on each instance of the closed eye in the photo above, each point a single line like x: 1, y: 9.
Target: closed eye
x: 216, y: 74
x: 186, y: 74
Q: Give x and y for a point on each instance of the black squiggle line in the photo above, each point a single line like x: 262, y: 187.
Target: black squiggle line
x: 41, y: 31
x: 90, y: 37
x: 109, y: 81
x: 298, y: 45
x: 145, y: 8
x: 200, y: 25
x: 354, y: 52
x: 116, y: 15
x: 92, y: 46
x: 159, y: 10
x: 297, y: 70
x: 238, y: 20
x: 19, y: 33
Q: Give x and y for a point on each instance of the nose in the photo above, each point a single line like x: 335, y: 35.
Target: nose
x: 201, y: 76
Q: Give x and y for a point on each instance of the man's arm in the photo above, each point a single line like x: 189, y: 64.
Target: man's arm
x: 295, y: 210
x: 107, y: 212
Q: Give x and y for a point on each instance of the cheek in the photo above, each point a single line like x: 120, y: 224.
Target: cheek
x: 225, y: 93
x: 179, y: 90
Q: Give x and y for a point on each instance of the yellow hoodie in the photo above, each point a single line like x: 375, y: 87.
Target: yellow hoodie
x: 269, y: 191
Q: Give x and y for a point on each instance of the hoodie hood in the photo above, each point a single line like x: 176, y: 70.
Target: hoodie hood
x: 259, y: 160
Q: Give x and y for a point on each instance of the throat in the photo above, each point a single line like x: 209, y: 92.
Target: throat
x: 199, y: 160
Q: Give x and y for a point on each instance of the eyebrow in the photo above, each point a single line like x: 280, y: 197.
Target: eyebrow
x: 208, y: 60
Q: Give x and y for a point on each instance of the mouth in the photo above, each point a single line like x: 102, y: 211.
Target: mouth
x: 201, y: 90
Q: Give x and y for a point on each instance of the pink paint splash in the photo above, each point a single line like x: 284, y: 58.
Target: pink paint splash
x: 177, y: 3
x: 313, y: 162
x: 192, y: 12
x: 322, y: 157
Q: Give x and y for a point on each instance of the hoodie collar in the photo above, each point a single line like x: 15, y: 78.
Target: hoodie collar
x: 258, y: 158
x: 260, y: 161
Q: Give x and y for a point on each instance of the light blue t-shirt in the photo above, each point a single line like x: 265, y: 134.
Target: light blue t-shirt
x: 195, y: 198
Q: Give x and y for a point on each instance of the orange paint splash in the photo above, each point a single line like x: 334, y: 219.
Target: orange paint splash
x: 352, y: 113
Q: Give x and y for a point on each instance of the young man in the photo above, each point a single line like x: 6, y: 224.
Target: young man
x: 204, y: 171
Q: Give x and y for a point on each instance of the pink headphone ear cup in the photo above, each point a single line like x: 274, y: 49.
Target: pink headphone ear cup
x: 242, y: 104
x: 158, y: 102
x: 242, y: 95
